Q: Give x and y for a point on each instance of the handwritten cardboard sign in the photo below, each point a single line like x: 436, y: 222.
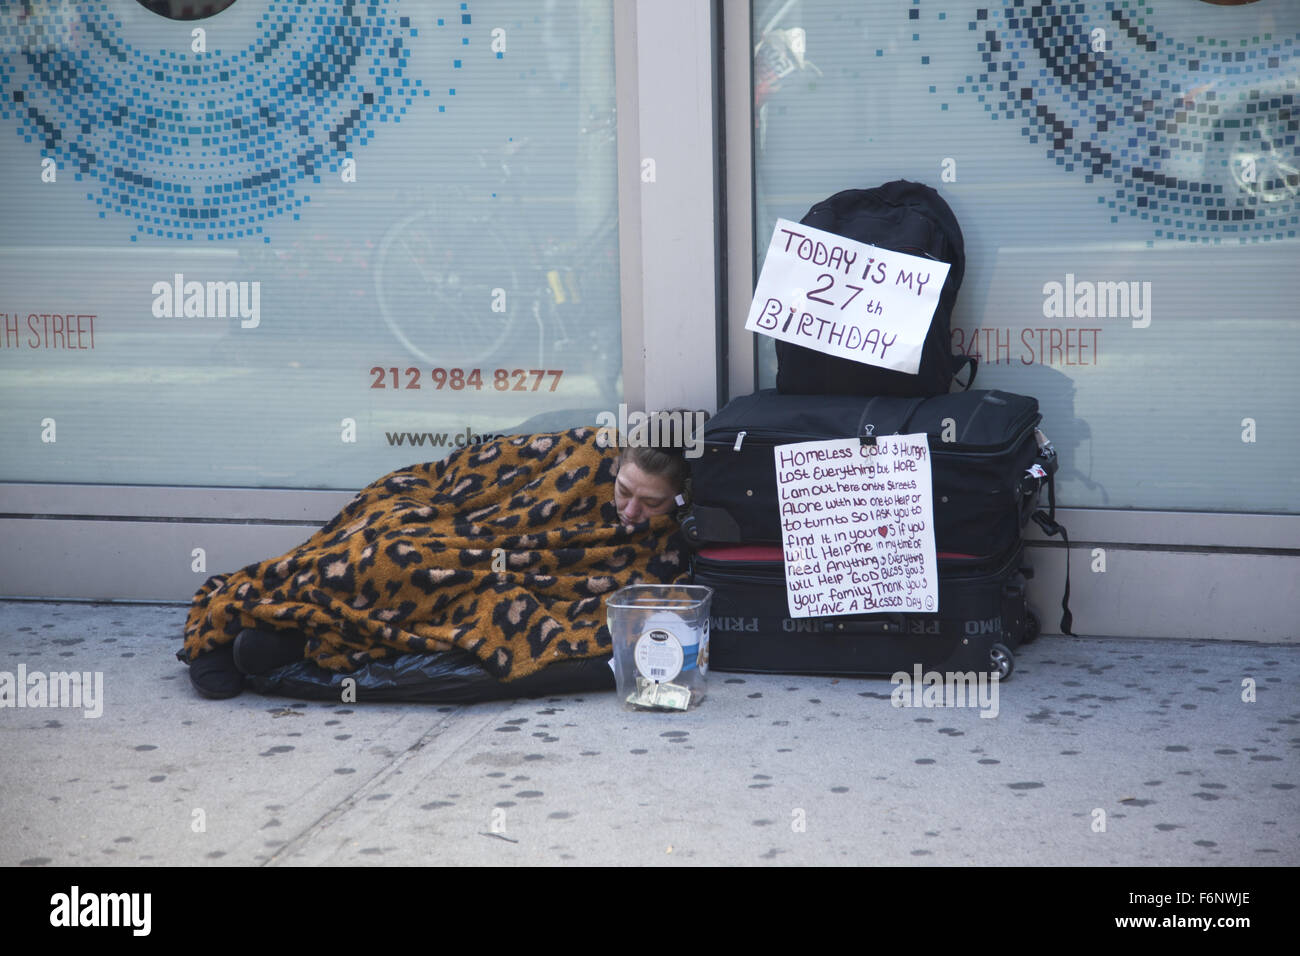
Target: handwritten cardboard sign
x: 846, y: 298
x: 857, y: 522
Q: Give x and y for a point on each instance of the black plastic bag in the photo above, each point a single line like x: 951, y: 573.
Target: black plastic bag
x: 446, y: 677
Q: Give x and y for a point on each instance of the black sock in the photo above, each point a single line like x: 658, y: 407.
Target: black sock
x: 260, y: 652
x: 214, y: 675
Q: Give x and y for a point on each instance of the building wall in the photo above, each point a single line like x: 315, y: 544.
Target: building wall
x: 602, y: 192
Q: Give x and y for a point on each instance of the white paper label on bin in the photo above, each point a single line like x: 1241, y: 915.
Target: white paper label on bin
x: 659, y: 655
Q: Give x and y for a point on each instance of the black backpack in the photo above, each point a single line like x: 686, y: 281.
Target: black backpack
x: 905, y: 217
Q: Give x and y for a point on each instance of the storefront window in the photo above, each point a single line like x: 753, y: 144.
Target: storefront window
x: 1126, y: 174
x: 300, y: 244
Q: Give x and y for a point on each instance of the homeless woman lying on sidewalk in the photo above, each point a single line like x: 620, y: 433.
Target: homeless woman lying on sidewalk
x: 496, y: 559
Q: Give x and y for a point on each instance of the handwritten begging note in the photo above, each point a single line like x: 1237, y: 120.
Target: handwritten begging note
x: 846, y: 298
x: 857, y: 523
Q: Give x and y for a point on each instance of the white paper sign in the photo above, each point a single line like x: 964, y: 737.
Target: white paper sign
x: 857, y: 523
x: 846, y: 298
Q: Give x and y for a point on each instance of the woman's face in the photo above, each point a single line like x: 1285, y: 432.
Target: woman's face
x: 639, y: 495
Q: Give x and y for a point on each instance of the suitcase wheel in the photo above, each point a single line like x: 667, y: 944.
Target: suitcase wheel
x: 1002, y: 660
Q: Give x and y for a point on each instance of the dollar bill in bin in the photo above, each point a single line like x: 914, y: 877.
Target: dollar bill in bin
x: 664, y: 696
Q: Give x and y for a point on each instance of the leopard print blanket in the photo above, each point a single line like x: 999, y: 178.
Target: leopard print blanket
x: 504, y: 549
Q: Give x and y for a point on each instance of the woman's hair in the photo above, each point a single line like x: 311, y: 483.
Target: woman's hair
x: 667, y: 461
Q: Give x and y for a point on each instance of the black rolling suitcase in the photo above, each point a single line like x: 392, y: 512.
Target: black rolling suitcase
x: 981, y: 621
x: 987, y: 466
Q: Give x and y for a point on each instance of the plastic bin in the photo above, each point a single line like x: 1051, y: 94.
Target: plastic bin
x: 661, y: 645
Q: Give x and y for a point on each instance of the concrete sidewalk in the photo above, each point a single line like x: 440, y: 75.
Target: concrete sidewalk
x: 1103, y: 752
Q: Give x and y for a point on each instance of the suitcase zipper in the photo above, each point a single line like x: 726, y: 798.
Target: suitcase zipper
x: 1031, y: 420
x: 945, y: 448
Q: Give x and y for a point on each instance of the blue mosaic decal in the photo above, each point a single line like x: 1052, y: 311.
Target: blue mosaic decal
x: 207, y: 145
x: 1197, y: 138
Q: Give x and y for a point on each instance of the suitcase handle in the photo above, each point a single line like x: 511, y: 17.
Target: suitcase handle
x: 965, y: 361
x: 867, y: 428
